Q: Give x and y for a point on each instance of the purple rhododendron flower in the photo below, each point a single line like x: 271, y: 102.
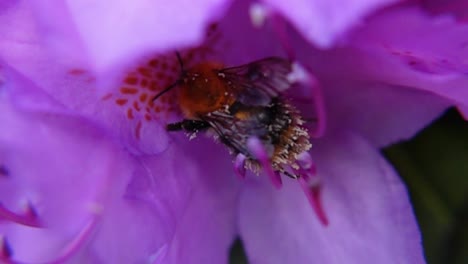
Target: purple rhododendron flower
x: 88, y: 173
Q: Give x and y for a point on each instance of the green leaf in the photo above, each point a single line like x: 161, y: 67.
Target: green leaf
x: 434, y: 165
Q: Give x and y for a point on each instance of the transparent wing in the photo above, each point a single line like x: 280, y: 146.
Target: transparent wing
x: 259, y: 81
x: 232, y: 132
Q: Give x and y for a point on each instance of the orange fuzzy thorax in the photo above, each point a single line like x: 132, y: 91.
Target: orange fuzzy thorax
x: 204, y: 91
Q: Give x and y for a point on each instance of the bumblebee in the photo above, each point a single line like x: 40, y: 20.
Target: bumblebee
x: 243, y: 103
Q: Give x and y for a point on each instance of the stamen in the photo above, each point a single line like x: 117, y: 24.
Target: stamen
x: 239, y: 165
x: 76, y: 243
x: 310, y: 184
x: 28, y: 218
x: 313, y: 194
x: 298, y: 74
x: 305, y: 160
x: 281, y: 30
x: 5, y: 250
x: 258, y: 150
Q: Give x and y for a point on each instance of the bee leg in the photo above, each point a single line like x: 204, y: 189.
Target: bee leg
x: 310, y: 185
x: 290, y: 175
x: 188, y: 125
x: 257, y: 149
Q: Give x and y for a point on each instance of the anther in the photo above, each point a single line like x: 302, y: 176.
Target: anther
x: 298, y: 74
x: 239, y: 165
x: 305, y: 161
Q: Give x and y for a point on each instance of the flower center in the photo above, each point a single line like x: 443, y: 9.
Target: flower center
x: 149, y: 77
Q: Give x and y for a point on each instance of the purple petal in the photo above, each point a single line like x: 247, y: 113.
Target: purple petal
x: 73, y: 85
x: 61, y: 166
x: 371, y: 220
x: 383, y: 113
x: 418, y: 51
x: 205, y: 228
x: 458, y: 8
x: 116, y: 31
x: 390, y: 81
x: 75, y: 180
x: 323, y: 21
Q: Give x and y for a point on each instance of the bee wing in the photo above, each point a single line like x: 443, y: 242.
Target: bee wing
x: 232, y: 132
x: 257, y: 82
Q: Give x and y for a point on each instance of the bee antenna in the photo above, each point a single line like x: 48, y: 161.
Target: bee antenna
x: 181, y: 64
x: 165, y: 90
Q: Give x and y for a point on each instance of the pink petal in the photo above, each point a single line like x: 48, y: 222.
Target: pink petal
x: 416, y: 50
x: 59, y: 164
x: 71, y: 83
x: 382, y: 112
x: 75, y: 178
x: 116, y: 31
x: 371, y: 220
x: 390, y: 81
x: 324, y: 21
x: 205, y: 228
x: 458, y: 8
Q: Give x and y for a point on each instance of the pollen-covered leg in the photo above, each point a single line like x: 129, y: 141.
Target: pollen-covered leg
x: 257, y: 149
x: 239, y: 165
x: 310, y: 184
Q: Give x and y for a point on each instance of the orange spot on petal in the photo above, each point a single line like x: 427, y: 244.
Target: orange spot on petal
x: 127, y: 90
x: 136, y: 106
x: 121, y: 101
x: 138, y: 130
x: 76, y: 71
x: 107, y: 96
x: 153, y: 63
x: 148, y: 117
x: 153, y: 86
x: 130, y: 113
x: 143, y: 97
x: 144, y: 71
x: 144, y: 83
x: 160, y: 75
x: 131, y: 80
